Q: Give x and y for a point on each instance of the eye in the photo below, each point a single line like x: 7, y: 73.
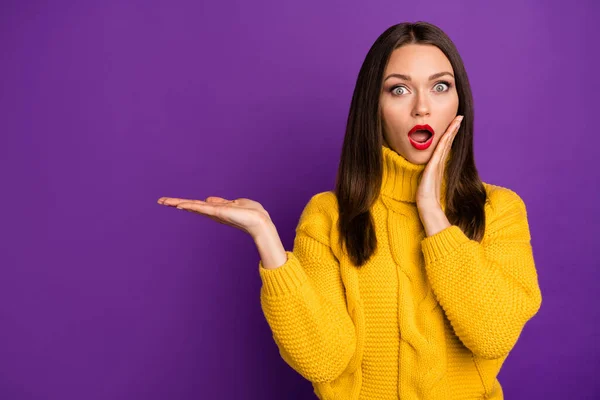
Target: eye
x: 442, y: 83
x: 394, y: 92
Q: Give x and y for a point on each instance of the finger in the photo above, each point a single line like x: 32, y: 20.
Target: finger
x: 458, y: 125
x: 449, y: 141
x: 455, y: 127
x: 162, y: 200
x: 204, y: 209
x: 438, y: 153
x: 174, y: 201
x: 456, y: 130
x: 200, y: 208
x: 445, y: 142
x: 171, y: 200
x: 210, y: 210
x: 450, y: 128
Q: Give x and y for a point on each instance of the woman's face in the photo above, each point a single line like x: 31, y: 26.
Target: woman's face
x: 407, y: 102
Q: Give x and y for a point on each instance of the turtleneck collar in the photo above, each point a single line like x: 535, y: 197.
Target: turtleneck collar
x: 401, y: 178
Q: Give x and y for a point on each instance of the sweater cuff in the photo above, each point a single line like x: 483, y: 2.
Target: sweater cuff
x: 284, y: 279
x: 442, y: 243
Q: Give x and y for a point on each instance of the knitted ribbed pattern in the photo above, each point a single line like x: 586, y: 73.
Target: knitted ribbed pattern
x: 425, y: 318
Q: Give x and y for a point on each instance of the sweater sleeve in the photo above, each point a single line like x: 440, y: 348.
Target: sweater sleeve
x: 488, y: 290
x: 304, y: 301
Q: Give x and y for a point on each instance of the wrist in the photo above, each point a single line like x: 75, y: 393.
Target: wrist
x: 264, y: 230
x: 269, y: 246
x: 429, y: 207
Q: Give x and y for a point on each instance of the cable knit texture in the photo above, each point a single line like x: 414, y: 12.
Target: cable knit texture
x: 427, y: 317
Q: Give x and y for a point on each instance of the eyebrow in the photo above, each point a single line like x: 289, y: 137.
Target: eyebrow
x: 407, y: 78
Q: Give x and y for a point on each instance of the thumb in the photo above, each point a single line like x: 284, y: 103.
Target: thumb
x: 216, y: 199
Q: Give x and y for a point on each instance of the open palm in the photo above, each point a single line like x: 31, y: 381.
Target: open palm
x: 245, y: 214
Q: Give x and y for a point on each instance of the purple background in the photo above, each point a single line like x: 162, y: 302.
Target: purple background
x: 107, y: 106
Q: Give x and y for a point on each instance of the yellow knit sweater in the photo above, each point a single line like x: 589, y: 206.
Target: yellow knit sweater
x: 427, y: 317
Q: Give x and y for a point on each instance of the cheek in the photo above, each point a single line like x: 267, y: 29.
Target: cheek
x: 393, y: 119
x: 447, y: 101
x: 453, y: 105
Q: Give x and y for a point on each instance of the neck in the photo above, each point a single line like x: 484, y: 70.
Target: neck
x: 401, y: 177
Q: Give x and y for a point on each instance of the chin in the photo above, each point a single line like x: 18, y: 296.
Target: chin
x: 413, y: 155
x: 420, y: 161
x: 418, y: 157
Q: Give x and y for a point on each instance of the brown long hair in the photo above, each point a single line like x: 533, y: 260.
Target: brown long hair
x: 360, y: 171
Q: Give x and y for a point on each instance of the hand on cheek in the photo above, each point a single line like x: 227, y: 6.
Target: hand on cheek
x: 429, y: 190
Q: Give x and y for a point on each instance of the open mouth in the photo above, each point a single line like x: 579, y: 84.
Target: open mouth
x: 420, y: 136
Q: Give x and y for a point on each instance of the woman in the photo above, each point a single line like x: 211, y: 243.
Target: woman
x: 414, y: 278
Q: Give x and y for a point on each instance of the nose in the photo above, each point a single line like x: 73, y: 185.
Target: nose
x: 421, y: 107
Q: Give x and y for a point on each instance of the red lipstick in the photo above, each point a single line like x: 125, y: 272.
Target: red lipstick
x: 424, y: 145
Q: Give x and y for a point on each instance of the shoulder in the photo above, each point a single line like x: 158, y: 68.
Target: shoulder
x: 319, y: 216
x: 500, y: 199
x: 505, y: 210
x: 324, y: 204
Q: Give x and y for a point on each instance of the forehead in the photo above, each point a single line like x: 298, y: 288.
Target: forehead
x: 418, y: 60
